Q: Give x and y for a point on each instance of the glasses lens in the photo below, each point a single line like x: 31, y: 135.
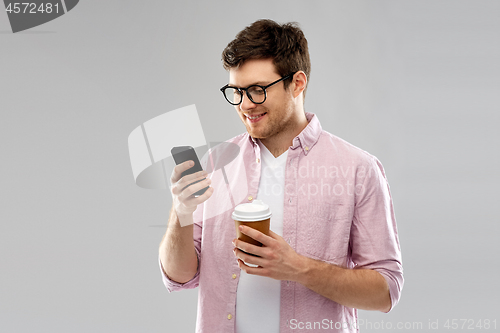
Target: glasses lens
x: 232, y: 95
x: 257, y: 94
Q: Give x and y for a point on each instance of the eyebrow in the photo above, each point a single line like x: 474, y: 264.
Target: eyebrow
x: 259, y: 83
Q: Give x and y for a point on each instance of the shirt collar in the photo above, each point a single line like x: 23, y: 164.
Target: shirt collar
x: 307, y: 138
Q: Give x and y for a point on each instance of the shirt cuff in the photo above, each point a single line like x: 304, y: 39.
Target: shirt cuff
x: 395, y: 282
x: 172, y: 285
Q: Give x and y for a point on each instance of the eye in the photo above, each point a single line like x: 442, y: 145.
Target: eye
x: 256, y: 91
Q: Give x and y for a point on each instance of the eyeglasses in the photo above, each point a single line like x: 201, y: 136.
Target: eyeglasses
x: 256, y: 93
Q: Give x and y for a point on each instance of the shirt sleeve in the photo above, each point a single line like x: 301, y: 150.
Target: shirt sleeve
x: 374, y: 238
x: 172, y: 285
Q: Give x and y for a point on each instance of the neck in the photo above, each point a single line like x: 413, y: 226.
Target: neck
x: 280, y: 142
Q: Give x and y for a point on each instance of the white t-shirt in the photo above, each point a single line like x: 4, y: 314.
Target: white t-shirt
x: 258, y: 297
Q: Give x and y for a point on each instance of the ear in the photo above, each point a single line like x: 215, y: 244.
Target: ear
x: 299, y: 83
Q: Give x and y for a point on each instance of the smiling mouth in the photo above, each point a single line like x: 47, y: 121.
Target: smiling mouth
x: 255, y: 117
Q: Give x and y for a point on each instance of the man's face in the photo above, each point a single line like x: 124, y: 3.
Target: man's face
x: 277, y: 114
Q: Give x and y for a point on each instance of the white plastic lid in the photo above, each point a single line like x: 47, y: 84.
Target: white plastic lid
x: 257, y: 210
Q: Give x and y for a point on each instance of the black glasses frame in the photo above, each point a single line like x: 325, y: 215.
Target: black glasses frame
x: 240, y: 90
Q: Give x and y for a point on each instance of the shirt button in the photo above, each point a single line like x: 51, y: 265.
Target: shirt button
x: 229, y: 316
x: 306, y: 148
x: 250, y: 198
x: 257, y: 160
x: 234, y: 276
x: 290, y: 200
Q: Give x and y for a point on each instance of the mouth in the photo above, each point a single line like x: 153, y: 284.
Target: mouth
x: 255, y: 118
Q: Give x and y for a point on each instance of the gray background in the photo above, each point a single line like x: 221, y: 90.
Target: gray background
x: 415, y: 83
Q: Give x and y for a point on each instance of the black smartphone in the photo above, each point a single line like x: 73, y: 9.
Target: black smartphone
x: 187, y: 153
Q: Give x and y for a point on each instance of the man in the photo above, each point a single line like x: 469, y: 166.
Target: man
x: 333, y: 246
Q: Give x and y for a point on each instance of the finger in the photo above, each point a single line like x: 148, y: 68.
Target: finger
x: 248, y: 258
x: 179, y: 169
x: 195, y: 201
x: 189, y: 190
x: 257, y: 235
x: 249, y: 248
x: 187, y: 180
x: 250, y: 270
x: 274, y: 235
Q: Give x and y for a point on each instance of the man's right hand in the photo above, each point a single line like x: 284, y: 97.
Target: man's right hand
x: 182, y: 189
x: 177, y: 252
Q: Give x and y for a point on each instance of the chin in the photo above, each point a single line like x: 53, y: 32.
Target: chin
x: 254, y: 134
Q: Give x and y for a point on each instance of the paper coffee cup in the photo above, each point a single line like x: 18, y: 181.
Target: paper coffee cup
x: 256, y: 215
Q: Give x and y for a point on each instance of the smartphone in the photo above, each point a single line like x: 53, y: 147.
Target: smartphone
x: 187, y: 153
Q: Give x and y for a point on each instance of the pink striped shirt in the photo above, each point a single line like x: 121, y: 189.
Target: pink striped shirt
x: 337, y: 208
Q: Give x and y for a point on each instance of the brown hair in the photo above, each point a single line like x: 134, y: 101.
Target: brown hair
x: 264, y: 39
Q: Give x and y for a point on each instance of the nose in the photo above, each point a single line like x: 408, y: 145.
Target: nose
x: 246, y: 103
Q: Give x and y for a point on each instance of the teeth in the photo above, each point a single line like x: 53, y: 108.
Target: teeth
x: 255, y: 117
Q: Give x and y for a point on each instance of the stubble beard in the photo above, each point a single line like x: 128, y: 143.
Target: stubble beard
x: 277, y: 122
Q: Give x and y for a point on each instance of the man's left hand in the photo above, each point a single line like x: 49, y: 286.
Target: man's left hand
x: 278, y: 260
x: 356, y: 288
